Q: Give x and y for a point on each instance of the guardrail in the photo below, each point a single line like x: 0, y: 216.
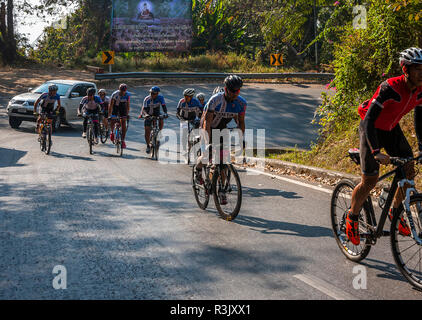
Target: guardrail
x: 208, y: 75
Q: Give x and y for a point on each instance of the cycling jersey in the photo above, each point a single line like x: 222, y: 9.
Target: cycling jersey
x: 91, y: 105
x: 395, y: 99
x: 189, y: 111
x: 48, y: 101
x: 120, y: 101
x: 152, y: 106
x: 224, y: 111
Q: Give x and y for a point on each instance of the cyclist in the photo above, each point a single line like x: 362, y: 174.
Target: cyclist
x: 220, y: 109
x: 119, y: 106
x: 90, y: 105
x: 102, y: 93
x: 379, y: 128
x: 201, y: 98
x: 48, y: 100
x: 189, y: 108
x: 151, y: 107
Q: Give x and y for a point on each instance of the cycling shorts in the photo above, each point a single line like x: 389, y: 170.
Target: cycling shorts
x: 394, y: 142
x: 120, y: 110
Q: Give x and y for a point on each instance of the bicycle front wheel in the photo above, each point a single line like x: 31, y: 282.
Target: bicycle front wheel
x: 103, y: 132
x: 42, y: 137
x: 227, y: 191
x: 406, y: 251
x: 200, y: 191
x: 47, y: 141
x: 90, y: 139
x: 341, y: 200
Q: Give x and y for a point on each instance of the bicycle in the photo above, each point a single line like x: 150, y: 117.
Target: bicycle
x: 403, y: 246
x: 117, y: 132
x: 90, y: 132
x: 44, y: 133
x: 191, y: 140
x: 223, y: 182
x: 154, y: 141
x: 104, y: 131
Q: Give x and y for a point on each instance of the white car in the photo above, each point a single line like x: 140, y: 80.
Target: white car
x: 21, y: 107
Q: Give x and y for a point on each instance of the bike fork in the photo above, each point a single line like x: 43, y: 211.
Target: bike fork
x: 406, y: 205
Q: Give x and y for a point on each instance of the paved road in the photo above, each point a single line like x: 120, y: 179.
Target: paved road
x: 129, y: 228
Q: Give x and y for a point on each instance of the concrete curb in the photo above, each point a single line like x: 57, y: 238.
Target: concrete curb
x: 319, y: 174
x: 301, y: 169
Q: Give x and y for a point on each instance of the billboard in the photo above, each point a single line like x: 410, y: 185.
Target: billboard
x: 152, y: 25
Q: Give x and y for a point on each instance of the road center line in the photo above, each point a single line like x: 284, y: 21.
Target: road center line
x: 325, y: 287
x: 291, y: 181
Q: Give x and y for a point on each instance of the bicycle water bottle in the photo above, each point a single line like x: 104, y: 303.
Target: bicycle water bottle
x: 383, y: 197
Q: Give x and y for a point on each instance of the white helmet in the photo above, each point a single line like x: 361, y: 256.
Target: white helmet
x: 189, y: 92
x: 217, y: 90
x: 200, y: 96
x: 102, y: 91
x: 411, y: 56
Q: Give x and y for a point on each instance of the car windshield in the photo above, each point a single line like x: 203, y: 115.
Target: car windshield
x: 44, y: 88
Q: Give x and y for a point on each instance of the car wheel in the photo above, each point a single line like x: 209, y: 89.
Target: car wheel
x: 14, y: 122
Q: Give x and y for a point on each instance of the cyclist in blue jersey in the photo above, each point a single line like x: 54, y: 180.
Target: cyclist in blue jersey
x: 90, y: 105
x: 220, y: 109
x: 151, y: 107
x: 104, y: 106
x: 48, y: 101
x: 189, y: 108
x: 120, y: 106
x: 201, y: 98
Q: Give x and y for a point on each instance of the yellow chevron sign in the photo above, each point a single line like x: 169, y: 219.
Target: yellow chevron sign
x: 108, y: 57
x: 276, y: 59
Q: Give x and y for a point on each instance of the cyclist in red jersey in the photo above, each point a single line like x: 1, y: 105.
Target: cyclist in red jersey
x: 379, y: 128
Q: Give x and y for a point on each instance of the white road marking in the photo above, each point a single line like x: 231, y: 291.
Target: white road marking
x: 291, y: 181
x: 325, y: 287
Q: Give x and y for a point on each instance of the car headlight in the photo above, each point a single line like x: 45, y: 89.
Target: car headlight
x: 12, y: 101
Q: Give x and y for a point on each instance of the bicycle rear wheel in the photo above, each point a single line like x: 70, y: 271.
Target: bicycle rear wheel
x: 200, y: 191
x: 406, y: 251
x: 228, y: 191
x: 340, y: 204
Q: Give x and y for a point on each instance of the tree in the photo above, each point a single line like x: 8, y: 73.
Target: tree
x: 7, y: 39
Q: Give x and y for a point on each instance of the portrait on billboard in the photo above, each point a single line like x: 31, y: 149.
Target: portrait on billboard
x: 151, y: 25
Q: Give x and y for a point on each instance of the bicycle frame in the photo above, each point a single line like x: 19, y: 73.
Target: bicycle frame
x: 399, y: 181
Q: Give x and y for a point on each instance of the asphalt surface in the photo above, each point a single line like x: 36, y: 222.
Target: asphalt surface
x: 129, y: 228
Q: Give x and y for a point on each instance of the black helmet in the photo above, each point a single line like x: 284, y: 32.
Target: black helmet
x: 90, y: 91
x: 233, y: 82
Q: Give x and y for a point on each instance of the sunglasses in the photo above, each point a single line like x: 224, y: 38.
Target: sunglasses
x: 236, y: 91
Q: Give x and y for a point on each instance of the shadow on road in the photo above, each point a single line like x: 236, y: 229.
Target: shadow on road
x: 283, y: 228
x: 390, y: 270
x: 10, y: 157
x: 258, y: 192
x: 105, y: 251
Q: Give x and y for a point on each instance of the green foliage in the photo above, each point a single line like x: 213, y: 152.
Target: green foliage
x: 363, y: 58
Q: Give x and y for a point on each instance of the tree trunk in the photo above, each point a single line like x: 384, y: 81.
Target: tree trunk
x: 8, y: 41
